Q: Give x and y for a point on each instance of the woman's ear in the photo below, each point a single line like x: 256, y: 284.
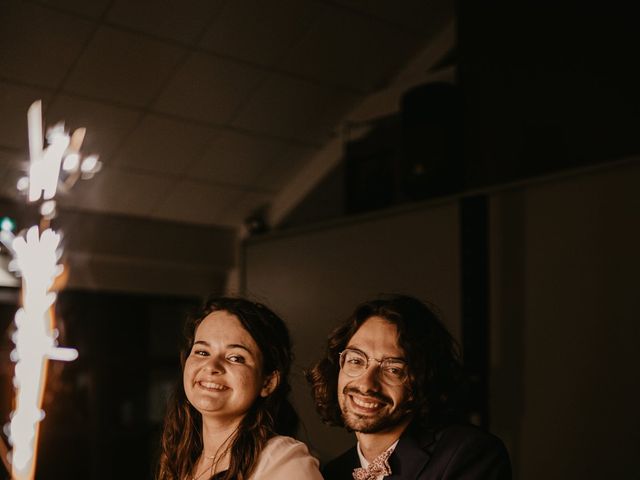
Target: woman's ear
x: 270, y: 383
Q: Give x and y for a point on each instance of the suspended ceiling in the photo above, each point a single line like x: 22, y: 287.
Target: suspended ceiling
x: 204, y: 110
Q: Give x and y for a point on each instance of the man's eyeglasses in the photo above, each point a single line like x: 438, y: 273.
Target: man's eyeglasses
x: 354, y: 363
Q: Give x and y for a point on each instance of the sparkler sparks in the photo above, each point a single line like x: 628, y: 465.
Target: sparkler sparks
x: 36, y: 256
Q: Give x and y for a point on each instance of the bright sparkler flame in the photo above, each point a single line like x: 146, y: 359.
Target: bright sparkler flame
x: 44, y: 169
x: 37, y: 261
x: 36, y: 257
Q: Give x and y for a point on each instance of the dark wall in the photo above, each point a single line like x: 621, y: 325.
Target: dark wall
x: 547, y: 86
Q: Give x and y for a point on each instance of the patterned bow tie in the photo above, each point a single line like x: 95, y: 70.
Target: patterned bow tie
x: 379, y: 466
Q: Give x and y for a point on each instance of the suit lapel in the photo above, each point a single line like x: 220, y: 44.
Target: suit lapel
x: 351, y: 460
x: 410, y: 456
x: 342, y: 467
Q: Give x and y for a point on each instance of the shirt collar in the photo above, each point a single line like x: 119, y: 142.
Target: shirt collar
x: 364, y: 463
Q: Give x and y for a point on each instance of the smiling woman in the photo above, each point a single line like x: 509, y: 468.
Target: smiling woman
x: 230, y: 417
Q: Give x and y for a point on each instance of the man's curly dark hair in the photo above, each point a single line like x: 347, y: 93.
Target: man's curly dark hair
x: 435, y: 371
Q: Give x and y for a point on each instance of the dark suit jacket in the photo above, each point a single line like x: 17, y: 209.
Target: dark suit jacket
x: 453, y: 453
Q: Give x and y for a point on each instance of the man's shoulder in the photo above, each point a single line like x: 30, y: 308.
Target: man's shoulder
x: 465, y: 433
x: 342, y: 466
x: 448, y: 452
x: 463, y: 446
x: 452, y: 437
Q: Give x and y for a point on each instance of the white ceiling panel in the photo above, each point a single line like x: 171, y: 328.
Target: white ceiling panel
x: 14, y: 103
x: 258, y: 31
x: 208, y: 88
x: 236, y: 158
x: 181, y: 20
x: 350, y: 50
x: 38, y: 45
x: 123, y: 67
x: 106, y: 125
x: 116, y: 191
x: 163, y: 145
x: 292, y: 108
x: 196, y: 202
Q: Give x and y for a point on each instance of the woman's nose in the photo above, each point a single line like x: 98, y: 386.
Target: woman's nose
x: 215, y: 364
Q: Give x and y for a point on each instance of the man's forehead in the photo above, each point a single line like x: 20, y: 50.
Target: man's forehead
x: 377, y: 336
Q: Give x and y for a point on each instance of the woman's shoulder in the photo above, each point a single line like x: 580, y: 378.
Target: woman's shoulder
x: 286, y: 457
x: 283, y: 448
x: 282, y: 441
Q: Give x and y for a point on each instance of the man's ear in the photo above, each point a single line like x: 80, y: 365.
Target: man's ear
x: 270, y: 383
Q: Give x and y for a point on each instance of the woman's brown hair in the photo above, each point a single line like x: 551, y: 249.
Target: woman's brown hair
x: 181, y: 442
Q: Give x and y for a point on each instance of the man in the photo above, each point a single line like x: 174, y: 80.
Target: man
x: 392, y: 375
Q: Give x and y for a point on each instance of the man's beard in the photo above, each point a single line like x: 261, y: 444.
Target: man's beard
x: 374, y: 423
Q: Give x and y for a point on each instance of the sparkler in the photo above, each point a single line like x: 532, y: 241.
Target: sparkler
x: 36, y: 256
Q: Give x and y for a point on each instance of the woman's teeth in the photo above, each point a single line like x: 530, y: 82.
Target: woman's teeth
x: 212, y: 386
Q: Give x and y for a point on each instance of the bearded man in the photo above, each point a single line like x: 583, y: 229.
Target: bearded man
x: 392, y: 375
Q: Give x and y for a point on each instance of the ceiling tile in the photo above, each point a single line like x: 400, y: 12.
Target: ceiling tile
x: 236, y: 158
x: 247, y: 204
x: 38, y: 45
x: 106, y: 126
x: 123, y: 67
x: 163, y: 145
x: 419, y: 15
x: 208, y: 88
x: 196, y: 202
x: 181, y: 20
x: 284, y: 168
x: 116, y: 191
x: 292, y: 108
x: 93, y: 9
x: 259, y: 31
x: 352, y: 51
x: 14, y: 103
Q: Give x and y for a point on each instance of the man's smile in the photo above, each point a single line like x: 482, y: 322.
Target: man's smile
x: 365, y: 403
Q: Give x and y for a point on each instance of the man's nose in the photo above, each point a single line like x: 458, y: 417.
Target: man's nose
x: 370, y: 378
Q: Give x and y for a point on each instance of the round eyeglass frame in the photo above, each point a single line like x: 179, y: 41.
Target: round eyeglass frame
x: 381, y: 371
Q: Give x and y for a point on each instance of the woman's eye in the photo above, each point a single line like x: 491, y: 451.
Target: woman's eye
x: 200, y: 353
x: 236, y: 358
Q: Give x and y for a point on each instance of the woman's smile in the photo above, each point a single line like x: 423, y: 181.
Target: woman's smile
x: 212, y: 386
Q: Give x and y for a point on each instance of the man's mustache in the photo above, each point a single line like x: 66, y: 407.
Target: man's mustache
x: 369, y: 393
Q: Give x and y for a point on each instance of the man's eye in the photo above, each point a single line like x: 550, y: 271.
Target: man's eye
x: 236, y: 358
x: 355, y: 361
x: 396, y: 371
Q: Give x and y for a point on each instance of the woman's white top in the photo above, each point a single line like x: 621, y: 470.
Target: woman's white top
x: 285, y: 458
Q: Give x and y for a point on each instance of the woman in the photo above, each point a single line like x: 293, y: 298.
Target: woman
x: 230, y: 418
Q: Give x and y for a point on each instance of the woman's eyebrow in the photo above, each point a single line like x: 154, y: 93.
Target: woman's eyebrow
x: 239, y: 345
x: 231, y: 345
